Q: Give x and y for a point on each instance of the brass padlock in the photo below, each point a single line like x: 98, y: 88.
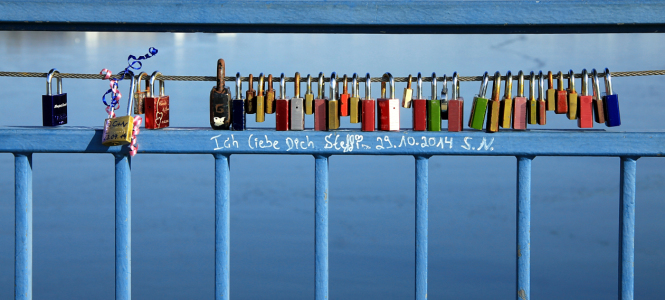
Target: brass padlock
x: 118, y: 131
x: 355, y: 107
x: 260, y: 100
x: 572, y: 96
x: 309, y: 97
x: 270, y: 97
x: 506, y: 108
x: 494, y: 105
x: 139, y: 95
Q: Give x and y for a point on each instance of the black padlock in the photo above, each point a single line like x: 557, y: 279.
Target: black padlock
x: 220, y: 101
x: 54, y: 107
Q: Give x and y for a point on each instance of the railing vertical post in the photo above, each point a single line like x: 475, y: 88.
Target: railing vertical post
x: 422, y: 184
x: 321, y: 227
x: 23, y: 226
x: 123, y: 227
x: 524, y: 227
x: 222, y: 227
x: 627, y: 228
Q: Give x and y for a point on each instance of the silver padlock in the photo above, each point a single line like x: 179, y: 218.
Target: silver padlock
x: 298, y: 107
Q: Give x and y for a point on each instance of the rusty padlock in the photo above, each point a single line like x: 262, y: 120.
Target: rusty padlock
x: 220, y: 101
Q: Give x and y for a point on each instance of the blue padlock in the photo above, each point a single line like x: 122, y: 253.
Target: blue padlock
x: 611, y: 101
x: 54, y: 107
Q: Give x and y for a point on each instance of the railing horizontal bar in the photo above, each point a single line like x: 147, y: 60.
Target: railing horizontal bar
x: 341, y: 142
x: 566, y: 16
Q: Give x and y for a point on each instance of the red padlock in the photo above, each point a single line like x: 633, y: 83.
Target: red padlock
x: 344, y: 99
x: 585, y: 104
x: 388, y: 107
x: 419, y: 106
x: 321, y: 108
x: 561, y: 95
x: 156, y: 106
x: 282, y: 105
x: 368, y: 117
x: 455, y: 108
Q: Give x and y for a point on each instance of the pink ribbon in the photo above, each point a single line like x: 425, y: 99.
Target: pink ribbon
x: 133, y: 147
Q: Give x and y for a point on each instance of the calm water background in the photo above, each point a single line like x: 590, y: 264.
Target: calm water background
x: 575, y: 201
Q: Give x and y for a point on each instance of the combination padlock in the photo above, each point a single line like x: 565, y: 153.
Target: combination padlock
x: 519, y: 104
x: 598, y: 105
x: 532, y: 105
x: 250, y: 98
x: 455, y: 108
x: 408, y: 94
x: 220, y: 101
x: 54, y: 107
x: 506, y: 107
x: 282, y: 105
x: 419, y: 105
x: 321, y: 107
x: 551, y: 92
x: 585, y: 104
x: 494, y: 105
x: 309, y: 97
x: 139, y: 95
x: 238, y: 117
x: 354, y: 102
x: 388, y: 107
x: 297, y: 110
x: 561, y: 96
x: 572, y: 97
x: 612, y: 114
x: 344, y: 98
x: 542, y: 103
x: 270, y: 97
x: 479, y: 106
x: 156, y: 106
x: 368, y: 111
x: 333, y: 104
x: 434, y: 105
x: 118, y: 130
x: 261, y: 100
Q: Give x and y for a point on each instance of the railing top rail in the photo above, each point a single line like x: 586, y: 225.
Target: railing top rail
x: 341, y: 142
x: 403, y: 16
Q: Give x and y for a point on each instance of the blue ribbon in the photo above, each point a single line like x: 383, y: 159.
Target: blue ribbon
x: 132, y: 62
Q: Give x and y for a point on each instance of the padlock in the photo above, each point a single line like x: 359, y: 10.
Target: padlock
x: 388, y: 107
x: 118, y: 130
x: 139, y: 95
x: 542, y: 104
x: 333, y: 104
x: 532, y: 105
x: 585, y: 104
x: 434, y: 105
x: 494, y: 105
x: 321, y: 107
x: 270, y: 97
x: 561, y: 96
x: 612, y: 114
x: 572, y: 97
x: 250, y: 98
x: 368, y: 111
x: 519, y: 105
x: 309, y: 97
x: 156, y: 106
x: 408, y: 94
x: 297, y: 110
x: 479, y: 106
x: 261, y: 100
x: 354, y: 101
x: 506, y: 107
x: 455, y: 108
x: 220, y: 101
x: 443, y: 102
x: 419, y: 105
x: 282, y: 106
x: 598, y: 105
x: 54, y: 107
x: 344, y: 99
x: 238, y: 117
x: 551, y: 92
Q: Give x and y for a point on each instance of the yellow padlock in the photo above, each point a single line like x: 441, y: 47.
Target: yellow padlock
x: 118, y: 131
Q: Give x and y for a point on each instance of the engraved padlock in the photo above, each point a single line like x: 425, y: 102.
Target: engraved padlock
x: 297, y: 110
x: 585, y: 104
x: 282, y: 106
x: 419, y: 105
x: 479, y: 106
x: 156, y: 106
x: 455, y: 107
x: 388, y: 107
x: 611, y: 100
x: 54, y: 107
x: 435, y: 105
x: 220, y: 101
x: 118, y: 130
x: 139, y: 95
x: 368, y: 118
x: 321, y: 107
x: 238, y: 114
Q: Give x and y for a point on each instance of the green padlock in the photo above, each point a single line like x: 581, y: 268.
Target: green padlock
x: 434, y: 104
x: 479, y: 106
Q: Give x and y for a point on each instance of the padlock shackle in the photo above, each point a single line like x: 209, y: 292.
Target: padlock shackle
x: 608, y: 82
x: 585, y: 83
x: 238, y: 86
x: 541, y: 85
x: 132, y: 84
x: 520, y: 84
x: 559, y: 81
x: 250, y: 83
x: 387, y: 76
x: 508, y: 93
x: 138, y: 81
x: 309, y: 84
x: 333, y: 86
x: 261, y: 85
x: 455, y: 94
x: 269, y: 81
x: 221, y: 73
x: 296, y: 83
x: 152, y: 84
x: 419, y: 86
x: 483, y: 85
x: 571, y: 81
x: 321, y: 87
x: 444, y: 89
x: 368, y: 87
x: 346, y: 82
x: 354, y: 86
x: 282, y: 85
x: 596, y: 84
x: 532, y: 86
x: 550, y: 80
x: 496, y: 86
x: 408, y: 82
x: 49, y: 87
